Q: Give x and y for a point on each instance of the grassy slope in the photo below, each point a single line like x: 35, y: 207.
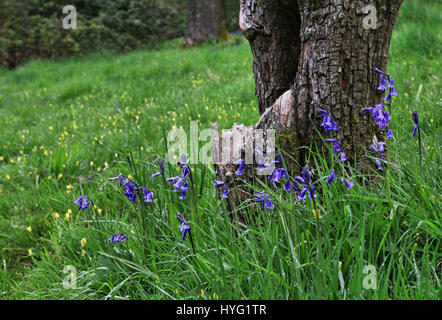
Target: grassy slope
x: 59, y: 127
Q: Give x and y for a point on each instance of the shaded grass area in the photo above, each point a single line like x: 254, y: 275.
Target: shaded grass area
x: 60, y: 127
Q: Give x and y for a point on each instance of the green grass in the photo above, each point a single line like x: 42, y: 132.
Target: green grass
x: 59, y: 127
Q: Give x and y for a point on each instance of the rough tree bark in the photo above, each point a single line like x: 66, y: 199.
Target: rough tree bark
x: 203, y: 21
x: 311, y: 54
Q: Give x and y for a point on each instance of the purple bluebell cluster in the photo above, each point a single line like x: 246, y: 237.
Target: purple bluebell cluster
x: 117, y: 238
x: 82, y: 202
x: 378, y: 113
x: 184, y: 228
x: 327, y: 121
x: 131, y: 189
x: 179, y: 182
x: 264, y: 200
x: 304, y: 180
x: 277, y: 174
x: 330, y: 125
x: 386, y: 83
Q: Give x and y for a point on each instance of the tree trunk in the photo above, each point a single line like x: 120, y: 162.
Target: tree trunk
x: 316, y: 54
x: 272, y: 28
x: 203, y: 21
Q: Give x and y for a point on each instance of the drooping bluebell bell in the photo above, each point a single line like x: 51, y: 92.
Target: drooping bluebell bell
x: 161, y: 164
x: 148, y: 195
x: 390, y: 134
x: 348, y: 184
x: 219, y: 183
x: 184, y: 228
x: 332, y: 176
x: 289, y: 186
x: 82, y: 202
x: 322, y: 113
x: 264, y: 199
x: 117, y: 238
x: 225, y: 193
x: 120, y: 177
x: 391, y: 86
x: 343, y: 157
x: 379, y: 148
x: 383, y: 85
x: 240, y: 170
x: 415, y: 117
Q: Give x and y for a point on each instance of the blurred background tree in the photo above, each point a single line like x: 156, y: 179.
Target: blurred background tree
x: 31, y: 29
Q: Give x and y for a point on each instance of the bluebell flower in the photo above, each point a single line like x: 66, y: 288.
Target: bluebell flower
x: 117, y: 238
x: 343, y: 157
x: 116, y: 107
x: 288, y: 186
x: 185, y: 167
x: 219, y: 183
x: 120, y: 177
x: 225, y: 193
x: 348, y: 184
x: 264, y: 199
x: 277, y: 174
x: 379, y: 148
x: 391, y: 86
x: 148, y: 195
x: 82, y: 202
x: 379, y: 164
x: 329, y: 124
x: 332, y: 176
x: 161, y: 164
x: 180, y: 184
x: 304, y: 179
x: 415, y: 117
x: 383, y: 85
x: 184, y: 228
x: 336, y: 145
x: 129, y: 190
x: 240, y: 170
x: 390, y: 134
x: 379, y: 115
x: 322, y: 113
